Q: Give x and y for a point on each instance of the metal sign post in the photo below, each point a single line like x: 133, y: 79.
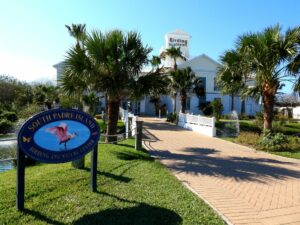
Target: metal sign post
x: 20, y: 179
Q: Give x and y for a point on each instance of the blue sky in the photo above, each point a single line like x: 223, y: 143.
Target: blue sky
x: 33, y: 36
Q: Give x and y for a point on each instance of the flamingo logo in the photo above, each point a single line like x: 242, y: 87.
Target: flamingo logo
x: 62, y: 134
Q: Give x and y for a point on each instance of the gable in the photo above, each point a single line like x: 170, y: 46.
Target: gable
x: 201, y: 63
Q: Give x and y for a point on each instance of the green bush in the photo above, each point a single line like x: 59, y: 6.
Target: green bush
x: 273, y: 141
x: 172, y: 117
x: 29, y: 111
x: 6, y: 126
x: 10, y: 116
x: 206, y: 108
x: 259, y: 119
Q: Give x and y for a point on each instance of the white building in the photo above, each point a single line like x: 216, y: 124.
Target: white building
x: 204, y: 67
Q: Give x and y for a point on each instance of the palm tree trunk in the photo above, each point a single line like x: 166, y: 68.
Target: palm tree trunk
x: 182, y: 99
x: 268, y: 100
x: 175, y: 64
x: 112, y: 118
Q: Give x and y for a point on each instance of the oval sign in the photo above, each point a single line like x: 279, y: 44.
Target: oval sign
x: 59, y: 135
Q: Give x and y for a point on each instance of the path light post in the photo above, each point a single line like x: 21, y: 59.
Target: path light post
x: 138, y: 135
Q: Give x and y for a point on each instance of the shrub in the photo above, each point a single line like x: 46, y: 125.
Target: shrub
x: 6, y: 126
x: 10, y: 116
x: 29, y: 111
x: 217, y: 108
x: 172, y: 117
x: 259, y: 119
x: 206, y: 108
x: 273, y: 141
x: 248, y: 138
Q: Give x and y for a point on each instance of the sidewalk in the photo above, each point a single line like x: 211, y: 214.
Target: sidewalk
x: 244, y: 186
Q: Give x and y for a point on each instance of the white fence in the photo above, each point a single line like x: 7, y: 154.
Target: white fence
x: 200, y: 124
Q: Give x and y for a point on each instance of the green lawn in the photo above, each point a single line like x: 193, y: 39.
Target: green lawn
x: 102, y: 126
x: 132, y: 189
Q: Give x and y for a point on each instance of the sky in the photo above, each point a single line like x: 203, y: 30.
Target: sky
x: 33, y: 36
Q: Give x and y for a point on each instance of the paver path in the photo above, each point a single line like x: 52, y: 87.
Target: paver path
x: 244, y: 186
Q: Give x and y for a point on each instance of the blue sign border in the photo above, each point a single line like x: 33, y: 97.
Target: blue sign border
x: 29, y: 147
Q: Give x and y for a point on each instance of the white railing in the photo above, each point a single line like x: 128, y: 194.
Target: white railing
x: 200, y: 124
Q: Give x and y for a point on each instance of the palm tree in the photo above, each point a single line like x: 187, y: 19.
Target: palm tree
x: 78, y: 31
x: 229, y: 77
x: 270, y: 55
x: 174, y: 53
x: 161, y: 82
x: 183, y: 80
x: 112, y: 62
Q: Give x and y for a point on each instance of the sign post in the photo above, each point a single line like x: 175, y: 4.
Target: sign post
x: 56, y: 136
x: 20, y: 179
x: 94, y: 159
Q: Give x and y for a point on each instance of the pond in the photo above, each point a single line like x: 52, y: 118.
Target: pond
x: 7, y: 151
x: 7, y: 165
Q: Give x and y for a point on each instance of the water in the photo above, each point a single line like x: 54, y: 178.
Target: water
x: 7, y: 151
x: 7, y: 165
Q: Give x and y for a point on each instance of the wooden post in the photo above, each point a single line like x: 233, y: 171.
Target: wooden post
x: 94, y: 161
x: 20, y: 179
x: 138, y: 135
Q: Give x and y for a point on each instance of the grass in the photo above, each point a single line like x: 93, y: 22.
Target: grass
x: 102, y: 125
x: 132, y: 189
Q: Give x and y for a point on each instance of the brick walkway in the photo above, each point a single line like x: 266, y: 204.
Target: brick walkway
x: 244, y: 186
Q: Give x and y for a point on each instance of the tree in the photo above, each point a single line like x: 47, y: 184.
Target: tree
x: 160, y: 83
x: 111, y: 63
x: 78, y: 31
x: 229, y: 77
x: 270, y: 55
x: 174, y: 53
x: 183, y: 80
x: 14, y: 94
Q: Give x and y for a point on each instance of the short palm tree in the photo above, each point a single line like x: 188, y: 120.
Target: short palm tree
x: 112, y: 63
x: 174, y: 53
x: 229, y: 77
x: 183, y: 81
x: 270, y: 55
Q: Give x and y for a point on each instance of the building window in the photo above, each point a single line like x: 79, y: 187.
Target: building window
x: 216, y: 87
